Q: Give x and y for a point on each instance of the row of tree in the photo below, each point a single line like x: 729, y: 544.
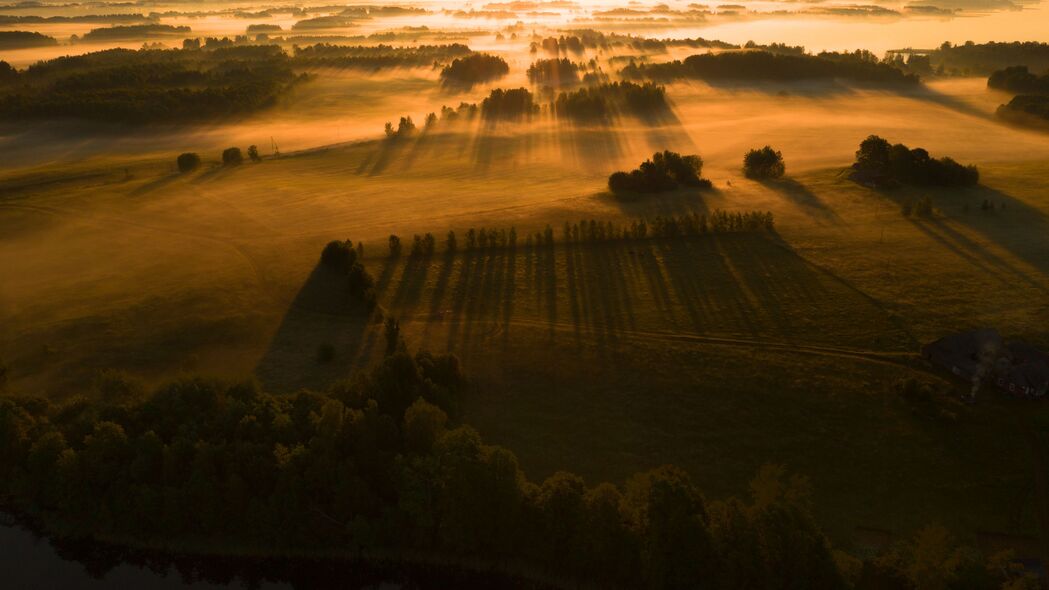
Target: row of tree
x: 860, y: 67
x: 601, y: 102
x: 592, y: 230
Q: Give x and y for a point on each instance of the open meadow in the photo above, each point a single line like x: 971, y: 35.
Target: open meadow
x: 586, y: 346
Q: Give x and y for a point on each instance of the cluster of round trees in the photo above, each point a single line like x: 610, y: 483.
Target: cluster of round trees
x: 881, y: 163
x: 233, y: 156
x: 665, y: 171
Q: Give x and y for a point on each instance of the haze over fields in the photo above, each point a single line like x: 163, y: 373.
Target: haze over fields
x: 511, y: 183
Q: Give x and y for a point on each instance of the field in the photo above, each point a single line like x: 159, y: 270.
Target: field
x: 719, y: 353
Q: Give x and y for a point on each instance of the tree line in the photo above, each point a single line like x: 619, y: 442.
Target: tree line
x: 377, y: 56
x: 151, y: 86
x: 859, y: 67
x: 661, y: 227
x: 1020, y: 80
x: 25, y: 39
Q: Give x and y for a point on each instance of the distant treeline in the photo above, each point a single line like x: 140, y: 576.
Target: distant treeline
x: 780, y: 67
x: 376, y: 56
x: 24, y: 40
x: 578, y: 40
x: 599, y: 103
x: 881, y: 163
x: 984, y: 58
x: 133, y: 32
x: 7, y: 19
x: 474, y: 68
x: 151, y: 86
x: 1020, y: 80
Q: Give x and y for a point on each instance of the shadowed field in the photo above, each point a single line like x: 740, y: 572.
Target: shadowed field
x: 718, y: 353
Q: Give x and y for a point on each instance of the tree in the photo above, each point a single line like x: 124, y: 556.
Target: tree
x: 450, y: 243
x: 188, y: 162
x: 763, y: 163
x: 253, y: 153
x: 395, y: 246
x: 232, y: 157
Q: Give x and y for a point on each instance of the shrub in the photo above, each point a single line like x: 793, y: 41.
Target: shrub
x: 253, y: 153
x: 232, y: 157
x: 763, y: 163
x: 188, y: 162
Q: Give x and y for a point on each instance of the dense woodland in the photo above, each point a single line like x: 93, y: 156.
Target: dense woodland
x: 881, y: 163
x: 133, y: 32
x: 515, y: 103
x: 473, y: 69
x: 151, y: 86
x: 24, y: 39
x: 553, y: 72
x: 1020, y: 80
x: 601, y: 102
x: 1026, y: 108
x: 859, y: 67
x: 984, y: 58
x: 375, y: 57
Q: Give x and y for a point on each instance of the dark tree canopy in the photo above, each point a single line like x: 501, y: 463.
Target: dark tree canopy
x: 1026, y: 108
x: 509, y: 104
x: 232, y: 156
x: 763, y: 163
x: 1020, y: 80
x: 474, y: 68
x: 188, y: 162
x: 666, y: 171
x: 880, y: 163
x: 857, y: 67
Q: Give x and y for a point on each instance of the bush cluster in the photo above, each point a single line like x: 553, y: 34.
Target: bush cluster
x: 880, y: 163
x: 666, y: 171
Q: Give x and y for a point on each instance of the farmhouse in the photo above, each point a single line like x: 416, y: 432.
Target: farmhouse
x: 982, y: 356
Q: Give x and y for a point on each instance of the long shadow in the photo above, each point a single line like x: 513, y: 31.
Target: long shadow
x: 800, y: 195
x: 321, y: 315
x: 154, y: 185
x: 683, y: 200
x: 1015, y: 226
x: 388, y: 150
x: 926, y: 94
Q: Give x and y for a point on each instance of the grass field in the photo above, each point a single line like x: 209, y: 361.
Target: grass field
x: 719, y: 353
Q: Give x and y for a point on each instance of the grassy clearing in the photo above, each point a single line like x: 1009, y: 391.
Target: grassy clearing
x: 719, y: 354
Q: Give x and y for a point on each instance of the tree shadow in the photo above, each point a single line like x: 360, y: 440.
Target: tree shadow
x: 322, y: 314
x: 647, y: 205
x: 806, y: 200
x: 154, y: 185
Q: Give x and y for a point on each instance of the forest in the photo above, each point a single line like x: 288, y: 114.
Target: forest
x: 473, y: 69
x: 860, y: 67
x: 24, y: 39
x: 151, y: 86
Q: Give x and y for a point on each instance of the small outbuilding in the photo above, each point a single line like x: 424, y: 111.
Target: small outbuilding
x: 983, y: 356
